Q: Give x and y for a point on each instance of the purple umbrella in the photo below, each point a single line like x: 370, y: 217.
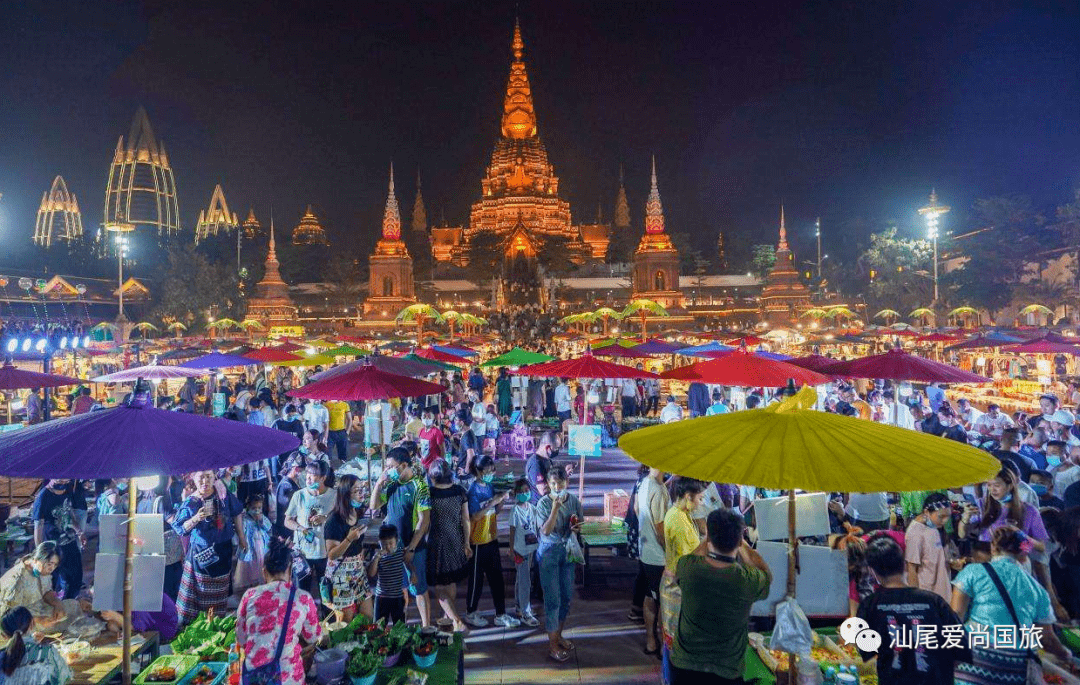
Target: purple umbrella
x: 653, y: 346
x: 130, y: 441
x: 395, y: 365
x: 217, y: 360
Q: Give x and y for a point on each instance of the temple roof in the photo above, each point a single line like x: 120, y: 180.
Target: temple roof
x: 141, y: 136
x: 391, y: 223
x: 309, y: 231
x: 216, y: 217
x: 519, y: 117
x: 654, y: 210
x: 622, y: 207
x: 419, y: 212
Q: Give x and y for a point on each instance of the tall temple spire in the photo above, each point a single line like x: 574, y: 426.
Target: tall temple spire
x: 654, y: 211
x: 391, y: 223
x: 783, y: 231
x: 622, y: 207
x: 419, y: 212
x: 519, y: 117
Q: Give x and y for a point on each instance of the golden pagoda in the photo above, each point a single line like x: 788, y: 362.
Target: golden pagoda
x: 309, y: 231
x: 419, y: 212
x: 252, y: 227
x: 270, y: 304
x: 390, y: 286
x: 656, y: 261
x: 58, y: 216
x: 622, y: 207
x: 216, y: 218
x: 141, y: 188
x: 784, y: 293
x: 519, y: 182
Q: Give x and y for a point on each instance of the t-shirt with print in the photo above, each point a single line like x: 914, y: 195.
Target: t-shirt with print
x: 259, y: 619
x: 482, y: 531
x: 653, y: 502
x: 404, y: 502
x: 57, y: 513
x: 900, y: 611
x: 337, y: 528
x: 523, y: 520
x: 311, y: 543
x: 924, y: 548
x: 430, y: 441
x: 561, y: 531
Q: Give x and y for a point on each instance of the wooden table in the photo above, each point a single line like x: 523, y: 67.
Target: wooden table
x: 106, y: 661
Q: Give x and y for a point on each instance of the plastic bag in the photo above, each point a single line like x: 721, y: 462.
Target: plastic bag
x: 792, y: 632
x: 574, y: 553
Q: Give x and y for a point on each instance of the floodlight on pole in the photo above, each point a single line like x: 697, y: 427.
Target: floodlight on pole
x: 932, y: 213
x: 120, y: 229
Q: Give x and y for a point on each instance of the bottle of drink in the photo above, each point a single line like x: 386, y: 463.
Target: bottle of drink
x: 830, y: 675
x: 234, y: 658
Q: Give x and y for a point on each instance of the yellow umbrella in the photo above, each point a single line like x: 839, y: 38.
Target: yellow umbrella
x: 1036, y: 309
x: 312, y: 360
x: 320, y: 344
x: 791, y: 446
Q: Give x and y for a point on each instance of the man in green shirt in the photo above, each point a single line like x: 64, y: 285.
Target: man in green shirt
x: 719, y: 581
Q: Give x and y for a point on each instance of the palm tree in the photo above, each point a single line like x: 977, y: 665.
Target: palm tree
x: 643, y: 308
x: 452, y: 317
x: 923, y: 314
x: 1052, y: 291
x: 964, y: 312
x: 176, y: 327
x: 144, y: 326
x: 250, y: 325
x: 221, y: 325
x: 418, y: 314
x: 890, y: 315
x: 607, y: 313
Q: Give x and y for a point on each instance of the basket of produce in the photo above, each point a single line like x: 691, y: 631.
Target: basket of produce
x: 207, y: 673
x: 167, y: 670
x: 207, y: 638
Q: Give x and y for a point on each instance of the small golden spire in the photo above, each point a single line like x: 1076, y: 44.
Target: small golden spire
x: 519, y: 118
x: 518, y: 45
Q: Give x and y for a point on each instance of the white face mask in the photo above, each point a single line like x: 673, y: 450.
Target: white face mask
x: 428, y: 422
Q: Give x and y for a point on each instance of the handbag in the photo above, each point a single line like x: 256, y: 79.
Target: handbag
x: 1034, y: 666
x: 174, y: 547
x: 270, y: 673
x: 205, y: 558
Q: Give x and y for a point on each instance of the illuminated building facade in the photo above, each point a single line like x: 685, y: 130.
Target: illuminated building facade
x: 656, y: 261
x: 252, y: 227
x: 58, y: 217
x: 784, y: 295
x: 141, y: 188
x: 216, y: 218
x: 520, y: 183
x: 270, y: 304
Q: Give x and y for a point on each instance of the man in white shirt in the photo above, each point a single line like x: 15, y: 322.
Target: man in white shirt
x: 562, y: 400
x: 967, y: 414
x: 993, y: 423
x: 317, y: 418
x: 1068, y: 472
x: 628, y: 393
x: 243, y: 396
x: 650, y: 506
x: 671, y: 411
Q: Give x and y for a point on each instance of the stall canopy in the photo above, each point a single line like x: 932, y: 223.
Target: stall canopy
x: 150, y: 372
x: 366, y: 382
x: 457, y: 350
x: 1050, y: 343
x: 271, y: 355
x: 585, y: 366
x: 991, y: 339
x: 745, y: 369
x: 701, y: 350
x: 438, y: 356
x: 218, y: 360
x: 13, y: 378
x: 814, y: 362
x: 400, y: 366
x: 654, y: 346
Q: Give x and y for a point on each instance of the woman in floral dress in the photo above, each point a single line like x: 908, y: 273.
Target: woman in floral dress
x: 261, y: 615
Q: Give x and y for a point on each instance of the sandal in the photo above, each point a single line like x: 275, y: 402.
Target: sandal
x: 560, y: 655
x: 567, y: 645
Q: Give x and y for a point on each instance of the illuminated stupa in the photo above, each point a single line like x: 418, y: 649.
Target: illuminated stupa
x: 784, y: 294
x: 270, y: 304
x: 656, y: 261
x: 252, y: 227
x: 390, y: 284
x: 58, y: 217
x: 309, y: 231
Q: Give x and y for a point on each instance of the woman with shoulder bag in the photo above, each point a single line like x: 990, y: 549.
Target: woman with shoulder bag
x: 270, y: 622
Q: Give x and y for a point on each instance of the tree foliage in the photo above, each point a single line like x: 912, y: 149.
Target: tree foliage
x: 622, y: 245
x: 483, y: 255
x: 762, y: 258
x: 191, y: 287
x: 899, y: 270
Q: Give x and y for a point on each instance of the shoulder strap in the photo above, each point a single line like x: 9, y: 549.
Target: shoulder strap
x: 285, y: 627
x: 990, y: 571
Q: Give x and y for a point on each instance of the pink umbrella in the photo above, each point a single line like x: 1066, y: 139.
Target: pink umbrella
x: 814, y: 362
x: 745, y: 368
x: 586, y: 366
x: 150, y: 372
x: 12, y: 378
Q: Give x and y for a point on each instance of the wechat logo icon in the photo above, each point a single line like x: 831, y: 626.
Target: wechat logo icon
x: 857, y: 631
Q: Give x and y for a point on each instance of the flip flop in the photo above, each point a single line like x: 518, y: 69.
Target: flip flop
x: 567, y: 645
x: 561, y: 656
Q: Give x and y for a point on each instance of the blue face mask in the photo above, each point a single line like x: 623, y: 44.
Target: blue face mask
x: 1052, y: 460
x: 487, y: 477
x: 1039, y: 489
x: 1006, y: 499
x: 36, y: 572
x: 122, y: 486
x: 392, y: 474
x: 523, y: 497
x: 357, y: 504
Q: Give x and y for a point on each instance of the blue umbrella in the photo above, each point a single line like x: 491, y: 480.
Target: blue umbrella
x: 699, y: 350
x: 458, y: 351
x: 217, y: 360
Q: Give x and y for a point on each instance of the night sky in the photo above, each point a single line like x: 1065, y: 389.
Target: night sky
x: 847, y: 110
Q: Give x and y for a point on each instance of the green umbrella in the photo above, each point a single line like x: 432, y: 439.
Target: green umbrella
x: 431, y: 362
x: 517, y: 357
x: 346, y: 351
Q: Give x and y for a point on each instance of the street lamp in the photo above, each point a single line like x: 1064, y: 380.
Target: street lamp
x: 933, y: 213
x: 120, y: 229
x: 817, y: 234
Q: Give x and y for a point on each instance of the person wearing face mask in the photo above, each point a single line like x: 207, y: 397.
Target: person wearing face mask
x: 113, y: 498
x: 407, y: 499
x: 29, y: 583
x: 306, y: 515
x: 317, y: 418
x: 671, y: 411
x: 470, y: 446
x: 1002, y: 506
x: 430, y: 440
x: 484, y: 508
x: 209, y: 522
x: 951, y: 429
x: 1042, y: 483
x: 925, y: 554
x: 524, y: 540
x: 346, y: 589
x: 561, y: 516
x: 896, y: 603
x: 256, y: 530
x: 55, y: 518
x: 1068, y: 471
x: 539, y: 464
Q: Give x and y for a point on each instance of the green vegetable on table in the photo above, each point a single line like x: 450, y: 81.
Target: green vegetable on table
x: 362, y: 663
x: 208, y: 639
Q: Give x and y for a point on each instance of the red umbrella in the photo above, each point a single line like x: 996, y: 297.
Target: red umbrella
x: 936, y: 337
x: 366, y: 383
x: 586, y: 366
x: 1044, y: 345
x: 620, y: 352
x: 272, y: 354
x: 287, y: 346
x: 813, y: 362
x: 12, y: 378
x: 748, y: 341
x: 394, y: 365
x: 744, y: 368
x: 436, y: 355
x: 898, y: 365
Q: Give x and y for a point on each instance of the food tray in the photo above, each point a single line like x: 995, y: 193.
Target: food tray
x: 1055, y: 674
x: 181, y: 662
x: 847, y: 658
x: 219, y: 669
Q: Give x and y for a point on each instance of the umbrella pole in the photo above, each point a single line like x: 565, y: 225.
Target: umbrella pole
x: 129, y: 553
x: 793, y: 568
